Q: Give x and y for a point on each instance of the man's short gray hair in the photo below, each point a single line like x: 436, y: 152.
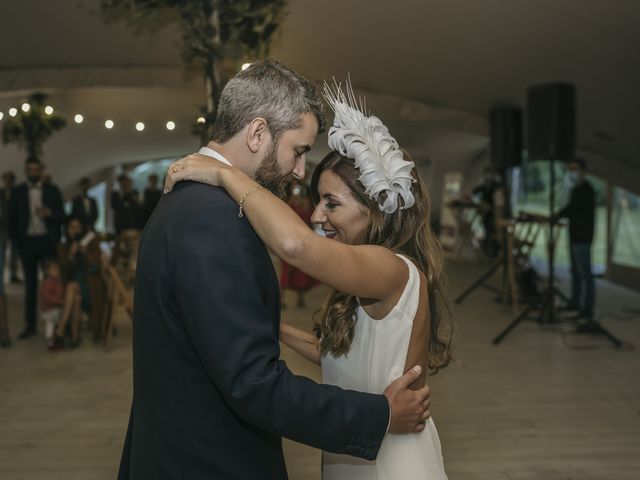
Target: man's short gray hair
x: 269, y: 90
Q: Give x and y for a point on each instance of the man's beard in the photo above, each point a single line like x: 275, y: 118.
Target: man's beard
x: 268, y: 173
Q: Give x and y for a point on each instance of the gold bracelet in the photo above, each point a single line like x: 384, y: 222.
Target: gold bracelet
x: 257, y: 188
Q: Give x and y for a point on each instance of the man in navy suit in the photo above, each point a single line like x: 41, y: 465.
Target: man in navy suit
x: 211, y: 398
x: 84, y: 207
x: 35, y: 220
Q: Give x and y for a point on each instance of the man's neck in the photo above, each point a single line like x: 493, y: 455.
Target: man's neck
x: 231, y: 153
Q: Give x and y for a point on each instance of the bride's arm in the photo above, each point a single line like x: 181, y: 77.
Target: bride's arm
x: 365, y: 271
x: 303, y: 343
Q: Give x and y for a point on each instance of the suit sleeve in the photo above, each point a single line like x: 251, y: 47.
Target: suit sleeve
x: 219, y: 296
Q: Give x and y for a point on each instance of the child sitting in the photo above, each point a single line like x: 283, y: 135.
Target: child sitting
x: 51, y: 300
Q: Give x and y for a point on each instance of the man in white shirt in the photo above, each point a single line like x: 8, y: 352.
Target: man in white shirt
x: 35, y: 220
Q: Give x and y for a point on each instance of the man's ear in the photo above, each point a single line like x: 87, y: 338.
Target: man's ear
x: 258, y: 134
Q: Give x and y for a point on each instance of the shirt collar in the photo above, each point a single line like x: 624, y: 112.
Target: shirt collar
x: 212, y: 153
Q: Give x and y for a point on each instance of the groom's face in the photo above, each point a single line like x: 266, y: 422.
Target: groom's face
x: 288, y: 155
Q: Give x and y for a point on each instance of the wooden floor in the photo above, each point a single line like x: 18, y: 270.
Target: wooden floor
x: 542, y: 405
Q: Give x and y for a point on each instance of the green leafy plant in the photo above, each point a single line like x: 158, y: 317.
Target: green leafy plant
x: 30, y: 129
x: 214, y: 33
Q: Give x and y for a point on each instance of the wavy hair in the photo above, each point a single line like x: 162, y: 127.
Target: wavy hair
x: 407, y: 232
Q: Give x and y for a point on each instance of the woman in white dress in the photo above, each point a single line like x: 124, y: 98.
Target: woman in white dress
x: 384, y: 263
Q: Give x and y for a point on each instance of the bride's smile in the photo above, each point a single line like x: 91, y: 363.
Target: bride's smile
x: 341, y: 216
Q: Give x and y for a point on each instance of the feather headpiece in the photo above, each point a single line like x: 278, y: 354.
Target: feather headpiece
x: 376, y: 154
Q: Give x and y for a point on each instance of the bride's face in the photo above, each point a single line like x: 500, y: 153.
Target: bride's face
x: 341, y: 216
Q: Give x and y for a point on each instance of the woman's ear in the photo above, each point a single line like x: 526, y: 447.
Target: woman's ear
x: 258, y: 134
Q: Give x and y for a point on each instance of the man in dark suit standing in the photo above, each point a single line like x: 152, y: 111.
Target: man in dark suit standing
x: 126, y: 206
x: 35, y: 219
x: 211, y: 398
x: 84, y: 207
x: 152, y: 195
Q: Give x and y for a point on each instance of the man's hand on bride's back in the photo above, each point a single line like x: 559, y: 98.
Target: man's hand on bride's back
x: 195, y: 167
x: 409, y: 408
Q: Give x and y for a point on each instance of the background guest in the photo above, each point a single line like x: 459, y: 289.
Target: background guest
x: 81, y: 262
x: 84, y: 207
x: 290, y: 277
x: 5, y: 195
x: 125, y: 205
x: 51, y: 300
x: 35, y: 219
x: 152, y: 195
x: 10, y: 257
x: 485, y: 192
x: 581, y: 212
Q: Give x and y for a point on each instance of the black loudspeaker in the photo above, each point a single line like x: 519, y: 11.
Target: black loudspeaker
x: 506, y: 137
x: 551, y: 121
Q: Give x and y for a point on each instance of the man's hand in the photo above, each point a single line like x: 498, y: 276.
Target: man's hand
x: 409, y: 409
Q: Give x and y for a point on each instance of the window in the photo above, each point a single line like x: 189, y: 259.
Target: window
x: 625, y: 228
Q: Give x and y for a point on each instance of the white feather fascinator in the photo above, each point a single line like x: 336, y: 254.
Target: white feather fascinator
x: 376, y: 153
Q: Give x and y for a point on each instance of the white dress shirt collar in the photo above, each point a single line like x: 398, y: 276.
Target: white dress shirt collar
x: 212, y: 153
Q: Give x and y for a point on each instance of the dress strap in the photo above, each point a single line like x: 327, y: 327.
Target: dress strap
x: 410, y: 298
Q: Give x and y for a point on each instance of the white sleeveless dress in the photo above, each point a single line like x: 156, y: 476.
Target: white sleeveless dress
x: 376, y: 358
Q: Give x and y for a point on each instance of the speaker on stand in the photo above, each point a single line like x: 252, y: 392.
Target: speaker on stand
x: 551, y: 133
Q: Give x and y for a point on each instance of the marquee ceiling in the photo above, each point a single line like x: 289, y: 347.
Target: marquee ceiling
x: 431, y: 67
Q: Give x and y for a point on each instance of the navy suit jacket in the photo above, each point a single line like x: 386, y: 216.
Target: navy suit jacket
x: 79, y: 211
x: 20, y: 213
x: 211, y: 398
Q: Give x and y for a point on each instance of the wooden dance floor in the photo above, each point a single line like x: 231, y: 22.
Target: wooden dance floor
x: 542, y: 405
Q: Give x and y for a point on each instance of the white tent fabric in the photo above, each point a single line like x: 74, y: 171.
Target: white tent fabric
x: 431, y: 69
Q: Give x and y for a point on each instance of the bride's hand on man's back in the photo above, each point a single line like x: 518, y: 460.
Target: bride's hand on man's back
x: 197, y: 168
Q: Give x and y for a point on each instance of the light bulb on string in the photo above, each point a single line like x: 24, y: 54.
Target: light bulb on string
x: 78, y: 118
x: 245, y: 66
x: 48, y: 110
x: 201, y: 120
x: 171, y: 126
x: 1, y: 115
x: 13, y: 112
x: 139, y: 126
x: 109, y: 124
x: 25, y: 107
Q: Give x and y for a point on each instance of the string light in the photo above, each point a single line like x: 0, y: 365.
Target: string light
x: 245, y: 66
x: 108, y: 124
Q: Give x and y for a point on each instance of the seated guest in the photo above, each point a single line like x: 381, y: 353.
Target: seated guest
x: 51, y: 300
x: 125, y: 205
x: 84, y: 207
x: 152, y: 195
x: 80, y: 259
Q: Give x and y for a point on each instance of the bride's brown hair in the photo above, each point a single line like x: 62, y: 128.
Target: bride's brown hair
x: 407, y: 232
